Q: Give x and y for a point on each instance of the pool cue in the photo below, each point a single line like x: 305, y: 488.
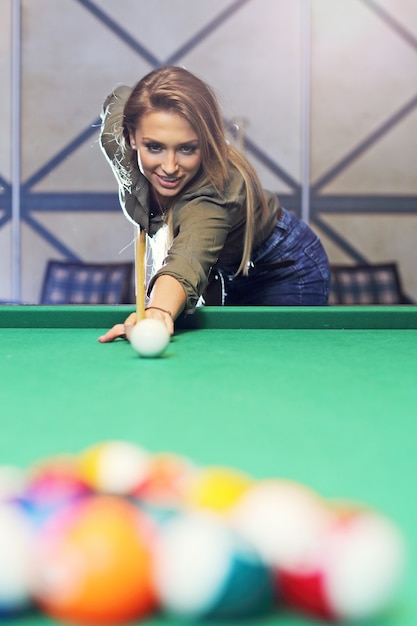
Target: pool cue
x: 140, y: 255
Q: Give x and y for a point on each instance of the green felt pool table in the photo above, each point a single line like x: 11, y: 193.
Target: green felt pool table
x: 324, y: 396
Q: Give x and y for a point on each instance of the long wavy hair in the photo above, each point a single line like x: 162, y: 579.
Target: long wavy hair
x: 177, y: 90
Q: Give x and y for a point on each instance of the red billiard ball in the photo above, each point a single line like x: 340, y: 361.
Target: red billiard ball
x: 358, y: 566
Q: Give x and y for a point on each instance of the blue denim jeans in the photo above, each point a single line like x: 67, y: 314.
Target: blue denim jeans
x: 290, y: 268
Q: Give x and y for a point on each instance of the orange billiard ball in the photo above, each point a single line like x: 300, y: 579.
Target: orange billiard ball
x: 93, y: 563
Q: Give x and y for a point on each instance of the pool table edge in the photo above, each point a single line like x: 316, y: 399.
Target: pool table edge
x: 91, y: 316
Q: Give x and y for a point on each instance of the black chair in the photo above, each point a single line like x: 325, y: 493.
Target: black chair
x: 71, y: 282
x: 366, y: 284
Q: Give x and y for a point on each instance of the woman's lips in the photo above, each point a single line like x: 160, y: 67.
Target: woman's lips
x: 169, y: 182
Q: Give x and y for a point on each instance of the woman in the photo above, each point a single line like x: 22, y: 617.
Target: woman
x: 200, y: 200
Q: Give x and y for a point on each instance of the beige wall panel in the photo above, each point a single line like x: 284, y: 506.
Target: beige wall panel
x: 387, y: 167
x: 86, y: 169
x: 269, y: 179
x: 381, y: 238
x: 362, y: 73
x: 70, y: 63
x: 404, y: 13
x: 162, y: 26
x: 97, y: 238
x: 253, y: 62
x: 94, y: 237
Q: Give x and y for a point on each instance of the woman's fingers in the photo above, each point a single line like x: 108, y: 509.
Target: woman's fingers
x: 118, y: 330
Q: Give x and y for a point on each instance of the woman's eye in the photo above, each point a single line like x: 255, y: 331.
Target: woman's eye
x: 153, y: 147
x: 188, y: 149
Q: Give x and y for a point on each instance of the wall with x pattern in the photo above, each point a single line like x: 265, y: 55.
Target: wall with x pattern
x: 325, y: 92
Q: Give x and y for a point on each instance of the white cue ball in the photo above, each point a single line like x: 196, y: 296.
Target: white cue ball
x: 149, y: 338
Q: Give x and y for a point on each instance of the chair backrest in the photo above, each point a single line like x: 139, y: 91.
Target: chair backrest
x: 69, y: 282
x: 366, y: 284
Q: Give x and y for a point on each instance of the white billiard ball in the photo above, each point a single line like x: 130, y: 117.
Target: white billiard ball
x: 149, y: 338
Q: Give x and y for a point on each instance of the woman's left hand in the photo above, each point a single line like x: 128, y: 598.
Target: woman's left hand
x: 119, y: 330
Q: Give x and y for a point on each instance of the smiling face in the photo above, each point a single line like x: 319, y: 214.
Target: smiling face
x: 168, y: 151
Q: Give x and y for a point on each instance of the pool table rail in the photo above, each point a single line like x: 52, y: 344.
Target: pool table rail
x: 331, y: 317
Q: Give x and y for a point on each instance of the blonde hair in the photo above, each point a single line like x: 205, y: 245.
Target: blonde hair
x: 178, y: 90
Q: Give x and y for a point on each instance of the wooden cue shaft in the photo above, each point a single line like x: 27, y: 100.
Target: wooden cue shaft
x: 140, y: 255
